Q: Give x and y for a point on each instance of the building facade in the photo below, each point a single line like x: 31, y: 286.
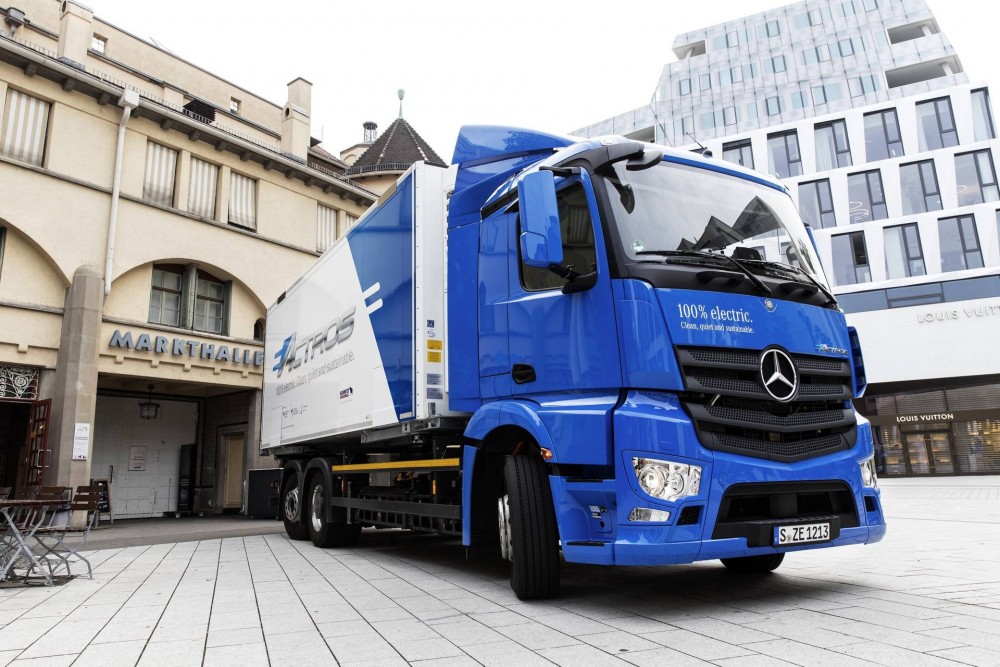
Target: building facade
x: 863, y: 110
x: 150, y: 211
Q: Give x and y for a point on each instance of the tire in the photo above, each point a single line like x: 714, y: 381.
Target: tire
x: 754, y: 564
x: 325, y: 533
x: 290, y: 508
x: 528, y: 533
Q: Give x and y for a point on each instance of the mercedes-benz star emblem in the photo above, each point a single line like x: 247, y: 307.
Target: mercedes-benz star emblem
x: 777, y: 371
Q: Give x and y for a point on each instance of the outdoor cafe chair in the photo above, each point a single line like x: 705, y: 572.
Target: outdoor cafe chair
x: 52, y: 536
x: 27, y: 521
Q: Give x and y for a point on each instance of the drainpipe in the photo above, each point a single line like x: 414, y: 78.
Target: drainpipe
x: 128, y: 101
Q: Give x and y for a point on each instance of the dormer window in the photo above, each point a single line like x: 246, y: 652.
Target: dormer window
x: 234, y: 105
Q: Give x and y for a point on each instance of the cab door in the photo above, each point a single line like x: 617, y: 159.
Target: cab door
x: 563, y: 342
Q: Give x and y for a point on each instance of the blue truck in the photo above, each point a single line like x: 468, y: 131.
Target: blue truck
x: 594, y: 351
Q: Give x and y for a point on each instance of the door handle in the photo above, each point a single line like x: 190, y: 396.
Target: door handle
x: 523, y: 373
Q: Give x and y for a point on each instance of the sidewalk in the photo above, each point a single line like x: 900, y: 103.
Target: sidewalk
x: 166, y: 530
x: 929, y: 594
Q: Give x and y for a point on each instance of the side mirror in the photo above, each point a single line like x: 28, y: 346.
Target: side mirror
x: 541, y: 241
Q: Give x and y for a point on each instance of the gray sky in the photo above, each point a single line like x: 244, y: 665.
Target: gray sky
x: 544, y: 64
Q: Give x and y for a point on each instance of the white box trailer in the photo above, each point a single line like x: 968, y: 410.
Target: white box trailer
x: 358, y: 343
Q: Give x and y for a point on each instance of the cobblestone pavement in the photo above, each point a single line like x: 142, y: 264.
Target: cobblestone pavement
x: 929, y: 594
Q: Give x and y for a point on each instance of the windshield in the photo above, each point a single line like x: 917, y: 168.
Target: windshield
x: 674, y: 209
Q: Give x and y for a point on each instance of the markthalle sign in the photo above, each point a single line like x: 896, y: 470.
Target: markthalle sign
x: 184, y: 347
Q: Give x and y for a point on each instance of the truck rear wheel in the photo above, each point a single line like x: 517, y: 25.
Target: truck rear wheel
x: 529, y: 537
x: 291, y: 505
x: 322, y: 532
x: 765, y: 563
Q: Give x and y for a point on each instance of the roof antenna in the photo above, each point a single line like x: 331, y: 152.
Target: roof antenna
x: 400, y: 93
x: 704, y: 151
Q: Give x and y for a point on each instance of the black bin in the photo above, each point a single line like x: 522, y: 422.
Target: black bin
x: 262, y: 493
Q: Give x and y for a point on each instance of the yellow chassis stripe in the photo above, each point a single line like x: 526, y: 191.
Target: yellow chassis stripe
x: 439, y: 464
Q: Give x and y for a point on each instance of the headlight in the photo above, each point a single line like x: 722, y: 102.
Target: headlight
x: 666, y: 479
x: 869, y: 477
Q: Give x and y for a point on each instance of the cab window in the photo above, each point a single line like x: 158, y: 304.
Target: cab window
x: 577, y: 230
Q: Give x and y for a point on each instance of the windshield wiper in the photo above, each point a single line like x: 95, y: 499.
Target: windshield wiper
x: 758, y: 283
x: 830, y: 299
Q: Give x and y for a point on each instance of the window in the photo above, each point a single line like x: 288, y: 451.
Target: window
x: 773, y: 106
x: 776, y: 65
x: 706, y: 81
x: 863, y: 85
x: 975, y: 178
x: 749, y: 71
x: 783, y: 154
x: 751, y: 110
x: 815, y: 17
x: 936, y: 124
x: 773, y: 29
x: 903, y: 255
x: 186, y: 297
x: 982, y: 119
x: 736, y: 74
x: 25, y: 121
x: 846, y: 47
x: 209, y: 304
x: 345, y: 224
x: 725, y: 77
x: 706, y: 121
x: 919, y: 187
x: 729, y: 116
x: 819, y: 95
x: 816, y: 204
x: 850, y: 259
x: 882, y: 137
x: 732, y: 39
x: 165, y: 296
x: 739, y: 152
x: 832, y: 147
x: 848, y: 8
x: 99, y: 44
x: 234, y: 105
x: 201, y: 193
x: 798, y: 100
x: 867, y: 196
x: 578, y: 242
x: 959, y: 243
x: 685, y: 86
x: 161, y: 167
x: 871, y: 5
x: 243, y: 201
x: 683, y: 126
x: 820, y: 54
x: 326, y: 227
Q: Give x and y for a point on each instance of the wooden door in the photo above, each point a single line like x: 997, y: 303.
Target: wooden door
x: 235, y: 444
x: 35, y: 460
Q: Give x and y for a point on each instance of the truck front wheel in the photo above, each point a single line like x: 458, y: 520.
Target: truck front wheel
x: 750, y: 564
x: 529, y: 537
x: 291, y: 505
x: 322, y: 532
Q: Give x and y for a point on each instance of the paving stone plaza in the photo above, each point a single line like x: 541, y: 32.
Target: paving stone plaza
x: 929, y: 594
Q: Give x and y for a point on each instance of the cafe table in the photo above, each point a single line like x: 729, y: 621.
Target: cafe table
x: 20, y: 520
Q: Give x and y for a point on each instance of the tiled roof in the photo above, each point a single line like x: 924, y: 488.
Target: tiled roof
x: 395, y: 149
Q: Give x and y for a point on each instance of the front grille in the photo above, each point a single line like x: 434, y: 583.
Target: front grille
x: 733, y: 411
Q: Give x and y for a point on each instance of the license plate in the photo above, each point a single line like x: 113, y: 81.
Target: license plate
x: 809, y: 532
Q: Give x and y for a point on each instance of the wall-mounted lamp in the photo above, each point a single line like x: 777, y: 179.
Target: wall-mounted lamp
x: 148, y: 409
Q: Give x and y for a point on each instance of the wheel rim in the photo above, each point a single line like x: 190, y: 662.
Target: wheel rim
x: 292, y: 505
x: 503, y: 515
x: 316, y: 508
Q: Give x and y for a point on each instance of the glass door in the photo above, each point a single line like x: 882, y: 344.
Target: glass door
x: 930, y: 453
x: 940, y: 446
x: 916, y: 451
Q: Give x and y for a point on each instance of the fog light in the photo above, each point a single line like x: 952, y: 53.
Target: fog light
x: 869, y: 474
x: 643, y: 514
x: 667, y: 480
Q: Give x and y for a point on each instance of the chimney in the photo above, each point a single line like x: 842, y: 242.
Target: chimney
x: 371, y: 131
x: 75, y: 33
x: 295, y: 130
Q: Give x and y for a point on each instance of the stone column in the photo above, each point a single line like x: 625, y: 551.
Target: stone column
x: 74, y: 397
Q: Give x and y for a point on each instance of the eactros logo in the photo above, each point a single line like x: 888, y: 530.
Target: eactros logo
x: 293, y: 355
x: 778, y: 373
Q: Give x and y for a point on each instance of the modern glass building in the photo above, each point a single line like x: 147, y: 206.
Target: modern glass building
x: 864, y: 111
